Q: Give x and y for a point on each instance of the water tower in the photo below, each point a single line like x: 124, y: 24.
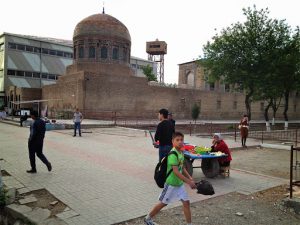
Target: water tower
x: 156, y: 51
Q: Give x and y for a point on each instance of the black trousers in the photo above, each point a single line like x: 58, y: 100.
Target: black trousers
x: 36, y: 148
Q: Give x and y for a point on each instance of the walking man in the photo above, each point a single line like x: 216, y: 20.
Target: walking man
x: 164, y: 133
x: 36, y: 141
x: 77, y: 118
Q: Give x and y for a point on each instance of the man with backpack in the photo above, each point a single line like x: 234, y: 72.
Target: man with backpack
x: 163, y: 134
x: 174, y: 176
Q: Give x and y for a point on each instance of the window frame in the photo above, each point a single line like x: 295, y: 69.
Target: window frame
x: 115, y: 53
x: 92, y: 52
x: 103, y: 53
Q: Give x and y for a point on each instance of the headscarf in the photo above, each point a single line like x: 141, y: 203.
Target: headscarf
x: 218, y: 135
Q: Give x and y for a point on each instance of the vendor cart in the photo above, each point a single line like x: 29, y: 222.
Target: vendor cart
x: 209, y: 161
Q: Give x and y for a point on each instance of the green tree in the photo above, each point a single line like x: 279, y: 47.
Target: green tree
x: 148, y: 71
x: 195, y: 112
x: 239, y: 54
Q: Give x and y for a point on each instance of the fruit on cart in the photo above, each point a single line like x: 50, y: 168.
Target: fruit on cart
x: 202, y: 149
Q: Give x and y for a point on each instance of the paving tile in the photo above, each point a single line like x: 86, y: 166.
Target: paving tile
x: 108, y: 171
x: 67, y: 214
x: 27, y: 200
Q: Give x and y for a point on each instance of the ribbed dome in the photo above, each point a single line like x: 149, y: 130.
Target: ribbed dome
x: 102, y: 25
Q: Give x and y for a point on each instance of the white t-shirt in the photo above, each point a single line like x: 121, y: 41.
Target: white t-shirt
x: 77, y: 117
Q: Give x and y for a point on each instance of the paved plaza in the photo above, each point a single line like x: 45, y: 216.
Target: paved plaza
x: 106, y: 176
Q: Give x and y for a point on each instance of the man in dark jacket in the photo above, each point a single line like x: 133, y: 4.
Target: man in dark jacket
x: 164, y: 133
x: 35, y: 142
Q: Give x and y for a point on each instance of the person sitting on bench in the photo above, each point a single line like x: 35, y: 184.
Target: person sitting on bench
x: 219, y: 145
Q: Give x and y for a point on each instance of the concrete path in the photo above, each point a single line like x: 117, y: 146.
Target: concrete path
x: 105, y: 176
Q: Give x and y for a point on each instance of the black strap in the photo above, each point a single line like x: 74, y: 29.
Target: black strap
x: 171, y: 170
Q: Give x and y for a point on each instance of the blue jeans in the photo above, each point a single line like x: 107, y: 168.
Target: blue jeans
x: 77, y: 125
x: 164, y: 151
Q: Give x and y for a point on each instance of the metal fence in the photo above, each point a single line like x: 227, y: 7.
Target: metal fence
x: 294, y: 168
x: 291, y: 135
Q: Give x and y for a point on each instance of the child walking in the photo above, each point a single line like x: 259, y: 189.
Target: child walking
x: 174, y: 189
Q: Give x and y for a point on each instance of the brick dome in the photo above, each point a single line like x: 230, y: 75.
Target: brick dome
x: 101, y: 25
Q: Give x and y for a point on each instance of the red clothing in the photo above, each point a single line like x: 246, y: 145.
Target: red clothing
x: 244, y: 128
x: 222, y: 147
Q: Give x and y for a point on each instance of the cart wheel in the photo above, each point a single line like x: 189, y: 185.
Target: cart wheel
x: 210, y: 167
x: 188, y: 164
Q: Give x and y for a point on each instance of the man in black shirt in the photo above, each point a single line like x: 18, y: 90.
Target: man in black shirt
x: 164, y: 132
x: 36, y: 141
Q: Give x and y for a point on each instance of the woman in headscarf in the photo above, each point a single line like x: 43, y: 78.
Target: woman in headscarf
x: 219, y: 145
x: 244, y: 128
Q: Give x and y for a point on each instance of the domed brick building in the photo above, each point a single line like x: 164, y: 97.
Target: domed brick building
x: 101, y: 82
x: 101, y: 43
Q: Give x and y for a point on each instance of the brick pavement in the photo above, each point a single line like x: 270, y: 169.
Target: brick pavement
x: 106, y: 176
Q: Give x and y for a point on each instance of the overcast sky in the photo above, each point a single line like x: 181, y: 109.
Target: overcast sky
x: 185, y: 25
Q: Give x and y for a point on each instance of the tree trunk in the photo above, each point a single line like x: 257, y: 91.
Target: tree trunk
x: 266, y: 114
x: 248, y: 103
x: 273, y: 120
x: 286, y: 108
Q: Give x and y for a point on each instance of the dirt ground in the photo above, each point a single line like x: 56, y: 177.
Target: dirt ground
x: 44, y: 198
x: 262, y: 208
x: 272, y: 162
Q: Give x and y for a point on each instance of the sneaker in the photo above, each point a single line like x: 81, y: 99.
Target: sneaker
x: 31, y: 171
x: 149, y: 221
x: 49, y: 167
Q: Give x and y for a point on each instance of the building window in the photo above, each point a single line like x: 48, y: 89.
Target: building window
x: 29, y: 48
x: 21, y: 47
x: 68, y: 54
x: 92, y: 52
x: 295, y: 108
x: 218, y: 104
x: 52, y: 52
x: 11, y: 72
x: 235, y: 105
x: 12, y: 46
x: 115, y: 53
x: 45, y: 51
x: 28, y: 74
x: 52, y: 77
x: 36, y: 75
x: 44, y: 76
x: 1, y: 46
x: 103, y: 52
x: 262, y: 106
x: 81, y: 52
x: 60, y: 53
x: 20, y: 73
x: 37, y: 50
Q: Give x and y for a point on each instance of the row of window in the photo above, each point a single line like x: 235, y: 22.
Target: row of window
x: 103, y: 53
x: 45, y: 51
x: 136, y: 66
x: 30, y: 74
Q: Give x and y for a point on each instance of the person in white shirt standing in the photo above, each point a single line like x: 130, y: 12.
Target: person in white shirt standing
x: 77, y: 118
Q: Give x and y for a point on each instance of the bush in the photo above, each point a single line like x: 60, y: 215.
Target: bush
x: 195, y: 112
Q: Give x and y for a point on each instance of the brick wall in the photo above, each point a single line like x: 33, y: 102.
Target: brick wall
x: 132, y: 96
